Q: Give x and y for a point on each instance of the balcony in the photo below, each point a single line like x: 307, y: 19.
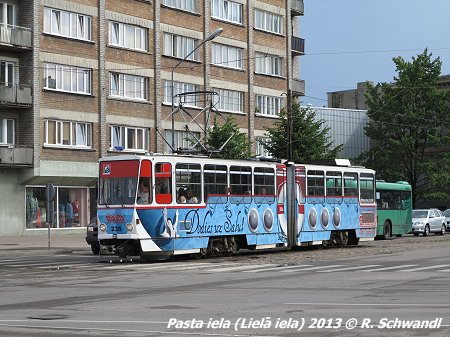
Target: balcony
x: 297, y: 87
x: 297, y: 46
x: 297, y: 7
x: 12, y: 155
x: 15, y: 95
x: 15, y: 37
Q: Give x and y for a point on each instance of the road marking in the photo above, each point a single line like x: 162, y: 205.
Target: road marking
x: 416, y: 305
x: 276, y: 268
x: 390, y: 268
x: 426, y: 268
x: 444, y: 271
x: 348, y: 268
x: 311, y: 268
x: 240, y: 268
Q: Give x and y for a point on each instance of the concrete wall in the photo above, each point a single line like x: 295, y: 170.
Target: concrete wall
x: 12, y: 221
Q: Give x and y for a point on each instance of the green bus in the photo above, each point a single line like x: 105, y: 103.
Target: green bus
x: 394, y: 209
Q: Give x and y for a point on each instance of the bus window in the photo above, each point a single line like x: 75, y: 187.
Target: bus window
x: 215, y: 184
x: 264, y: 185
x: 240, y: 184
x: 188, y: 183
x: 367, y: 188
x: 334, y: 184
x: 163, y: 183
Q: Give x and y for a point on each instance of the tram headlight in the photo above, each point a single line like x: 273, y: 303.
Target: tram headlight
x: 130, y: 227
x: 103, y: 227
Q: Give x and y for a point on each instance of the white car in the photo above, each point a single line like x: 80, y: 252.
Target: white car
x: 428, y: 221
x: 447, y: 215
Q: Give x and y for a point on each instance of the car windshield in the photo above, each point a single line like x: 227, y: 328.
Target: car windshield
x: 419, y: 214
x: 447, y: 212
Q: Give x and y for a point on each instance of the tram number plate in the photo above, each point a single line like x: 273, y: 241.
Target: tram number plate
x: 116, y: 229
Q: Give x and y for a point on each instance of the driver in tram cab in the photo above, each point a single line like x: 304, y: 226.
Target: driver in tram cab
x: 143, y: 192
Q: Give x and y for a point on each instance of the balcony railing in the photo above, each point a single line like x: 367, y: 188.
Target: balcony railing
x: 298, y: 87
x: 297, y: 45
x: 297, y: 7
x: 15, y: 36
x: 12, y: 155
x: 17, y: 95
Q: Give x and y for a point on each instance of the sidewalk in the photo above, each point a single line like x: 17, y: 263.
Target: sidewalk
x: 58, y: 242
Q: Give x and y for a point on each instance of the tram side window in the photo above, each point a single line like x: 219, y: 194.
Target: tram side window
x: 350, y: 184
x: 367, y: 184
x: 215, y: 184
x: 264, y: 185
x: 144, y: 195
x: 334, y: 184
x: 163, y: 183
x: 315, y: 181
x: 240, y: 180
x: 188, y: 183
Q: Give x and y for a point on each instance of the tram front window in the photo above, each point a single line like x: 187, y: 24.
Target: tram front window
x: 117, y: 191
x: 118, y: 182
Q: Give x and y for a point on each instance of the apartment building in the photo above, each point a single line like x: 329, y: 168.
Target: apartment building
x: 90, y: 78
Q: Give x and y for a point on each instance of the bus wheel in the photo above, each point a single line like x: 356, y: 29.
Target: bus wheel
x: 386, y: 230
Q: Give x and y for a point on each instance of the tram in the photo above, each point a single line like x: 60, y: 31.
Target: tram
x: 156, y: 204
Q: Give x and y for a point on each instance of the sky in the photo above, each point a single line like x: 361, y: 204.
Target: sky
x: 351, y: 41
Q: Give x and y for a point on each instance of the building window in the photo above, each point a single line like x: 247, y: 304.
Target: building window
x: 261, y: 150
x: 67, y: 24
x: 227, y: 56
x: 129, y: 86
x: 69, y: 79
x: 6, y: 131
x: 268, y: 105
x: 72, y: 207
x: 180, y: 46
x: 183, y: 140
x: 7, y: 14
x: 179, y: 88
x: 127, y: 36
x: 68, y: 134
x: 268, y: 22
x: 268, y: 64
x: 7, y: 73
x: 229, y: 100
x: 185, y: 5
x: 124, y: 138
x: 227, y: 10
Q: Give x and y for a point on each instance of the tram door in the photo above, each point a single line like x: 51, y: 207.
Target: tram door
x: 300, y: 185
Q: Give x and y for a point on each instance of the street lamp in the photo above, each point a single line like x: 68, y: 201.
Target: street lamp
x: 210, y: 37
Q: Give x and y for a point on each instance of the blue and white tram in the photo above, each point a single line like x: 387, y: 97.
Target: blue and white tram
x: 171, y: 205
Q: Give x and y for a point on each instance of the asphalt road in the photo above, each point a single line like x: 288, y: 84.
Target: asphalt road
x: 362, y: 291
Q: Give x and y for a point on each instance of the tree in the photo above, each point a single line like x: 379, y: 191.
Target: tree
x: 238, y: 147
x: 409, y: 128
x: 310, y: 140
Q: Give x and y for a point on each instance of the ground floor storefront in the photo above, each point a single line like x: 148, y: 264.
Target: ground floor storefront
x: 23, y: 204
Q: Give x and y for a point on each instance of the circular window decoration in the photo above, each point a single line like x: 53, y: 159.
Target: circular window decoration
x: 336, y: 217
x: 324, y: 217
x: 268, y: 219
x: 253, y: 220
x: 312, y: 218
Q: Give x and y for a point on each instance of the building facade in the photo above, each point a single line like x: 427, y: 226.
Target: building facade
x: 90, y: 78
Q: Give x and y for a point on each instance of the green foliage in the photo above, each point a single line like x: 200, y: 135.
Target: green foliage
x: 309, y: 137
x: 238, y: 147
x: 410, y: 128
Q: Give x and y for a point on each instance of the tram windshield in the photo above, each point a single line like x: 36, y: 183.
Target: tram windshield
x: 118, y: 182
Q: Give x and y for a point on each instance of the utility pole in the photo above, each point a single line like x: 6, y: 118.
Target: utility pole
x: 289, y: 126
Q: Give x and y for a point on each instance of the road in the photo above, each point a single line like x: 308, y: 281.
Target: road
x: 331, y: 292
